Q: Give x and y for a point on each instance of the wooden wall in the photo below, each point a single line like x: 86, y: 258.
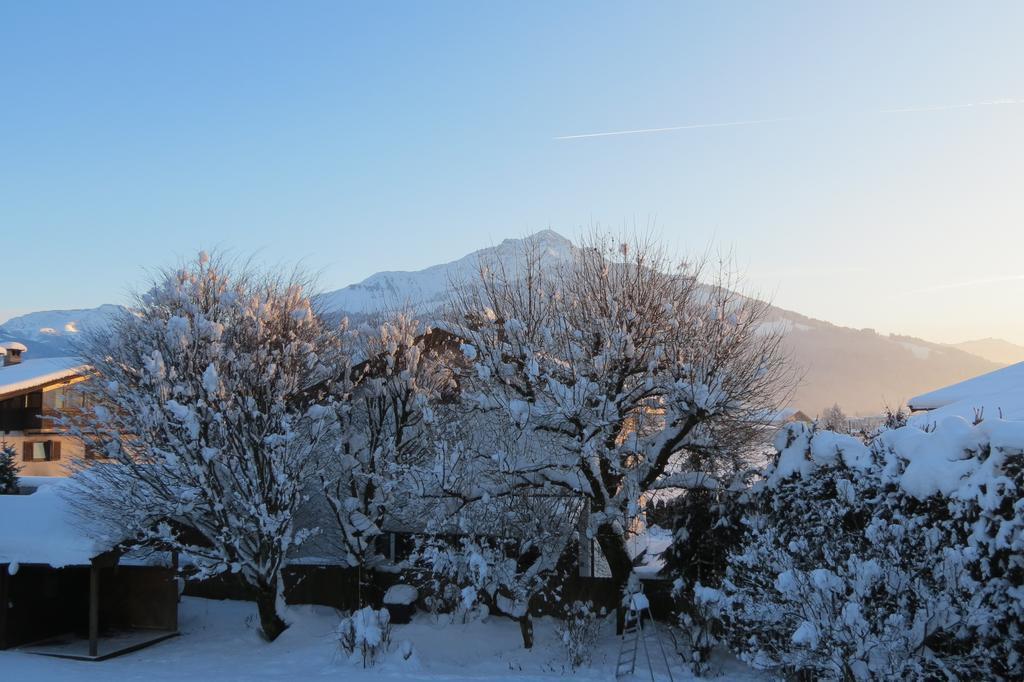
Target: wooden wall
x: 41, y: 601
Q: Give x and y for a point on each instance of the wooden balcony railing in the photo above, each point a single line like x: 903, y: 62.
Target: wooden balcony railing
x: 20, y: 419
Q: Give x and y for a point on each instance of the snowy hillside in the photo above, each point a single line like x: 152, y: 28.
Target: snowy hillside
x: 864, y: 371
x: 426, y: 290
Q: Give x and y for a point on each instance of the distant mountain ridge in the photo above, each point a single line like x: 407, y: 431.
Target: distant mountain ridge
x: 995, y: 350
x: 861, y: 370
x: 53, y: 333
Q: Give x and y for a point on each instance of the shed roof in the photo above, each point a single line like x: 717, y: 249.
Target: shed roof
x: 42, y: 528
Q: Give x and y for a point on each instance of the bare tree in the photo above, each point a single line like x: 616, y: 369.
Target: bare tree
x: 617, y: 361
x: 834, y: 419
x: 206, y: 411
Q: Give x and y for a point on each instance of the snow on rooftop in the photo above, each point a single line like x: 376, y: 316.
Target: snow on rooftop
x: 14, y: 345
x: 1008, y: 405
x: 41, y: 528
x: 31, y: 373
x: 985, y: 388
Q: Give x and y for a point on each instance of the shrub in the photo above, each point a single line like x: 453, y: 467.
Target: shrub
x: 899, y: 561
x: 579, y: 632
x: 368, y: 632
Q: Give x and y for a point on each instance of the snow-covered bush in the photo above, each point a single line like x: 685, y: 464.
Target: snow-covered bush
x: 579, y: 629
x: 9, y: 468
x: 902, y: 559
x: 367, y: 633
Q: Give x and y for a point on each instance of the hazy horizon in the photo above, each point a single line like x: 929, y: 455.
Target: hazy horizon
x: 862, y: 162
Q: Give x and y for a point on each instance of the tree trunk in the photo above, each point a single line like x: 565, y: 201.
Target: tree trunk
x: 526, y: 627
x: 270, y: 622
x: 613, y: 545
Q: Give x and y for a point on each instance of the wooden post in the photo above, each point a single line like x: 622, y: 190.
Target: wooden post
x: 5, y: 601
x: 586, y: 555
x: 94, y: 608
x: 174, y: 572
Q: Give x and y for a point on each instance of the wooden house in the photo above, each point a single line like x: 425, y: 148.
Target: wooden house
x: 33, y: 394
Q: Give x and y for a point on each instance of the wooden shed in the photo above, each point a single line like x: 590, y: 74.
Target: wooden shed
x: 63, y: 593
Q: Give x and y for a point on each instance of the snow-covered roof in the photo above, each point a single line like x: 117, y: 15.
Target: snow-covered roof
x: 1008, y: 405
x: 29, y: 374
x: 41, y: 528
x: 785, y: 415
x: 988, y: 389
x: 13, y: 345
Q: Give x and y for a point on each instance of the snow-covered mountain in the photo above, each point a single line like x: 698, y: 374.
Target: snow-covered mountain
x: 53, y: 333
x: 425, y: 291
x: 857, y: 368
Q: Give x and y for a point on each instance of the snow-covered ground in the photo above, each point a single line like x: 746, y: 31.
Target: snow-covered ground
x: 219, y: 641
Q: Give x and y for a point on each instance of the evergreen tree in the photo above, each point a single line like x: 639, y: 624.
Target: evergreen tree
x: 8, y: 471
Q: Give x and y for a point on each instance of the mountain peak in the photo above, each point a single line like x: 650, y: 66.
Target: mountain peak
x: 426, y: 290
x: 546, y: 237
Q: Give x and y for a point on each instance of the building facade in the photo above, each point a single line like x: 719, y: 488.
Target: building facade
x: 33, y: 395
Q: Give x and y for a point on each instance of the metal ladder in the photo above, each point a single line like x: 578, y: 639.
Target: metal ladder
x: 633, y: 633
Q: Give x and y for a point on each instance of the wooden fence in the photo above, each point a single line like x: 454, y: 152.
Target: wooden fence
x: 344, y: 589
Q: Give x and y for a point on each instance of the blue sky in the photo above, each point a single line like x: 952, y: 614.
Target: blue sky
x: 359, y: 137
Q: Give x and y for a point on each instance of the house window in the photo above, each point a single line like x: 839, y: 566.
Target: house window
x: 41, y: 451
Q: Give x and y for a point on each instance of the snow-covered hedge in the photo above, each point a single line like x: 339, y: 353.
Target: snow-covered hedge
x: 900, y: 558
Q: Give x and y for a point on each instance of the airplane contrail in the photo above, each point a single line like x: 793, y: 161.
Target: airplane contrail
x: 727, y: 124
x: 670, y: 128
